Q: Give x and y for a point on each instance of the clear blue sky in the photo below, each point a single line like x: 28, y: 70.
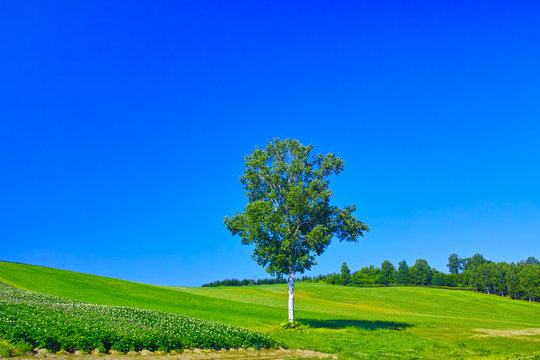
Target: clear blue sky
x: 124, y: 126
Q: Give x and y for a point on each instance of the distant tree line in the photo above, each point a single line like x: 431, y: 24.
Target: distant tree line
x: 237, y: 282
x: 517, y: 280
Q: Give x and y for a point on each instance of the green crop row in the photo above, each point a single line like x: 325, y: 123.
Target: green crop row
x: 55, y: 323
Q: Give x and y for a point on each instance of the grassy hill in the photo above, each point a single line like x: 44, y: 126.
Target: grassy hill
x: 355, y: 323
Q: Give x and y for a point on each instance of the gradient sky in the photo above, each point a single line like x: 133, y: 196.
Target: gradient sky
x: 124, y: 126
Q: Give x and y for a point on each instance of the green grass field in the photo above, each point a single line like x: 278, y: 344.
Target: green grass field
x: 354, y: 323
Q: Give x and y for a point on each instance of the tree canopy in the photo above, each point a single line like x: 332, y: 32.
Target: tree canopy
x: 345, y: 273
x: 289, y: 217
x: 454, y: 264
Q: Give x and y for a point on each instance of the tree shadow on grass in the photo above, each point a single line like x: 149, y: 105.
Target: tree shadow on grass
x: 359, y: 324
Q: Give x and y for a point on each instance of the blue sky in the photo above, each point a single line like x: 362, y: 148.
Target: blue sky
x: 124, y: 126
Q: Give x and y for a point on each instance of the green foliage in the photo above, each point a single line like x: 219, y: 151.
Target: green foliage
x: 454, y: 264
x: 289, y: 218
x: 365, y: 276
x: 388, y: 273
x: 472, y: 262
x: 55, y: 323
x: 246, y: 282
x: 403, y: 276
x: 530, y: 282
x: 5, y: 350
x: 421, y: 272
x: 345, y: 274
x: 519, y: 281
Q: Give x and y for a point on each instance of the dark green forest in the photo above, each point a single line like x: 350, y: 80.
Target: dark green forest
x: 237, y: 282
x: 515, y: 280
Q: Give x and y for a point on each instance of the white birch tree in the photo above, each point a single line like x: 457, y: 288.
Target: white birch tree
x: 288, y: 217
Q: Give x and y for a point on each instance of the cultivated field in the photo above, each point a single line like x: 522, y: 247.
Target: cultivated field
x: 353, y: 323
x: 55, y: 323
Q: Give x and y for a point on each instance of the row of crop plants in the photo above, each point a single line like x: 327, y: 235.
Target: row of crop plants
x: 54, y: 323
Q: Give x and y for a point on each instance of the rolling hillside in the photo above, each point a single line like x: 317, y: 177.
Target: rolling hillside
x: 355, y: 323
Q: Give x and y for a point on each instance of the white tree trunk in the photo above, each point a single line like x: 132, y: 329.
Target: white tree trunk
x: 291, y: 296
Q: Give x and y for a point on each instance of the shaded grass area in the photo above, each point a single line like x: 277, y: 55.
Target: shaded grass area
x: 355, y: 323
x: 358, y: 324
